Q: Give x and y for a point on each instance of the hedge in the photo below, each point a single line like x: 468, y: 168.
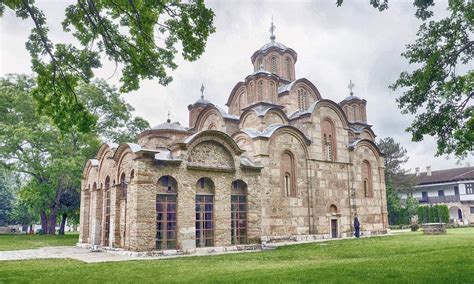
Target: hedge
x: 433, y: 214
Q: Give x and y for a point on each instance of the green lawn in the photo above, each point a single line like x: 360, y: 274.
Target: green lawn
x: 16, y: 242
x: 406, y: 258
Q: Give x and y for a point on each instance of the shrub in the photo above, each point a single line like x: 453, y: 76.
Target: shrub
x: 414, y: 227
x: 433, y: 214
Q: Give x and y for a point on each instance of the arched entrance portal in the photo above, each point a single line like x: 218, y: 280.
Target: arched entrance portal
x: 334, y: 220
x: 455, y: 215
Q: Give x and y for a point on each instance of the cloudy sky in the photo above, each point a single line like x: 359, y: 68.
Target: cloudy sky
x: 334, y: 45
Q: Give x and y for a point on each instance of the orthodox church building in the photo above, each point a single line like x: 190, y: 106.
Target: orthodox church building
x: 283, y: 163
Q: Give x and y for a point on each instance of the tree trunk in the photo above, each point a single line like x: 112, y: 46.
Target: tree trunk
x: 63, y: 224
x: 52, y: 221
x: 44, y: 222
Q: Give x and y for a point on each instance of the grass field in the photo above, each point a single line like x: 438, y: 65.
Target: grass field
x: 405, y: 258
x: 16, y: 242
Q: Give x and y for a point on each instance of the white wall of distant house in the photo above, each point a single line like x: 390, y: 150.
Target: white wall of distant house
x: 448, y: 188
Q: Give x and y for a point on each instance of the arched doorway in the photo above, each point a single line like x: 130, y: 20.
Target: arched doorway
x: 166, y: 229
x: 455, y: 214
x: 334, y: 220
x: 204, y: 212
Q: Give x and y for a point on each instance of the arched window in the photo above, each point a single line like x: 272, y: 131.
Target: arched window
x: 354, y: 113
x: 260, y: 91
x: 272, y: 92
x: 273, y: 61
x: 239, y: 212
x: 367, y: 179
x: 251, y: 95
x: 132, y: 174
x: 94, y: 186
x: 242, y: 101
x: 287, y: 169
x: 123, y: 186
x: 204, y: 213
x: 333, y: 209
x: 329, y: 140
x: 107, y: 212
x: 166, y: 227
x: 302, y: 99
x: 363, y: 114
x: 259, y: 63
x: 288, y: 68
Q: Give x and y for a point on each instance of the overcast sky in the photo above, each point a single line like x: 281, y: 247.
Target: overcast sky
x: 334, y: 45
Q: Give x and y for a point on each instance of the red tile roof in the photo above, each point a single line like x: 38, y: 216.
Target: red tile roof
x: 449, y: 175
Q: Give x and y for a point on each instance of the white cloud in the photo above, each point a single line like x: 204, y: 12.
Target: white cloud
x: 333, y: 44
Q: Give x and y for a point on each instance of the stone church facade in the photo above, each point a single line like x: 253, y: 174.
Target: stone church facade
x: 283, y: 163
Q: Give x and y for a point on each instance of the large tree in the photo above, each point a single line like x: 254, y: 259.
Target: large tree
x: 140, y: 37
x: 30, y: 143
x: 440, y: 89
x: 397, y: 180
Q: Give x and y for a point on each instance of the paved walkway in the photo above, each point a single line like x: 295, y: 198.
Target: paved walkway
x: 86, y: 255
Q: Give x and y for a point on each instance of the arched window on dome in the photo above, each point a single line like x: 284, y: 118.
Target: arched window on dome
x: 367, y: 179
x: 259, y: 63
x: 302, y: 99
x: 242, y: 101
x: 354, y: 113
x: 251, y: 95
x: 329, y: 140
x: 288, y: 68
x: 272, y: 92
x: 287, y: 169
x: 363, y: 115
x: 273, y: 62
x: 260, y: 91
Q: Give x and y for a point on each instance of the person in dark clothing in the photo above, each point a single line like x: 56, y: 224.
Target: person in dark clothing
x: 357, y: 227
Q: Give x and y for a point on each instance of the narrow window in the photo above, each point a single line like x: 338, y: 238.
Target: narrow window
x: 274, y: 64
x: 367, y: 178
x: 354, y: 113
x: 288, y: 68
x: 123, y: 186
x: 166, y: 199
x: 272, y: 92
x: 329, y: 141
x: 239, y: 212
x: 440, y: 192
x: 260, y: 90
x: 205, y: 213
x: 287, y: 169
x: 107, y: 212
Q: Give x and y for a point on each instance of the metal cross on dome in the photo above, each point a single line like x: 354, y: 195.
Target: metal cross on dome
x: 351, y: 86
x: 202, y: 90
x: 272, y: 29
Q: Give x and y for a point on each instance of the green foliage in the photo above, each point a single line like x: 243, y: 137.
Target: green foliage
x: 397, y: 180
x: 140, y: 36
x: 422, y: 7
x: 9, y: 184
x: 439, y: 92
x: 395, y: 157
x: 30, y: 143
x: 433, y: 214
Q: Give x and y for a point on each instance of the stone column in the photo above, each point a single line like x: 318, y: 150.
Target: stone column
x: 96, y: 217
x: 186, y: 212
x: 113, y: 216
x: 84, y: 216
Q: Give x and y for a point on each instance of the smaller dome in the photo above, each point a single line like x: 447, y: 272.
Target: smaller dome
x: 168, y: 125
x: 274, y: 44
x: 352, y: 97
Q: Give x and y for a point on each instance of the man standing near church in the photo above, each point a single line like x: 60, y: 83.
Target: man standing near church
x: 357, y: 227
